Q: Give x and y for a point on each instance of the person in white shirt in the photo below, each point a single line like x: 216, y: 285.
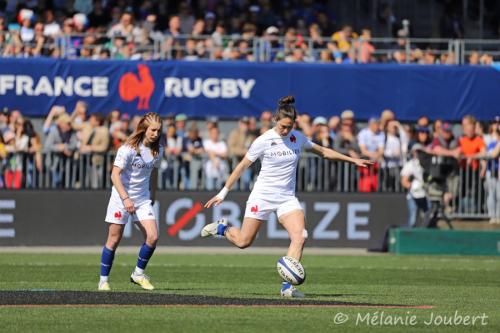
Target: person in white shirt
x: 279, y: 150
x: 371, y: 145
x: 134, y: 178
x: 412, y: 179
x: 216, y: 166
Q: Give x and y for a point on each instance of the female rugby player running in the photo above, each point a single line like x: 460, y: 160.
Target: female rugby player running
x: 274, y: 191
x: 134, y: 177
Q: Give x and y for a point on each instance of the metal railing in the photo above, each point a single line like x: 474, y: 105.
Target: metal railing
x: 93, y: 171
x: 158, y: 46
x: 474, y: 185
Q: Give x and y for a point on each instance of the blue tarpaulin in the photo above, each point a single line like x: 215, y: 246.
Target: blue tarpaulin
x: 235, y: 89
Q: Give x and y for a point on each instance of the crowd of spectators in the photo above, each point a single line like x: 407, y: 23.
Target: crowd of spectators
x: 202, y: 159
x: 295, y: 31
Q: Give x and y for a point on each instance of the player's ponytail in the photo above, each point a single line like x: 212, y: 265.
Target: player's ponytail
x: 135, y: 139
x: 286, y: 109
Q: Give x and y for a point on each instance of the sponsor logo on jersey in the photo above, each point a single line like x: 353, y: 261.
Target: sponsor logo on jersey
x: 282, y: 153
x: 139, y: 165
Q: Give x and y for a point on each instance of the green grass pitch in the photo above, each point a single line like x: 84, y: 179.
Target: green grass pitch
x: 454, y: 286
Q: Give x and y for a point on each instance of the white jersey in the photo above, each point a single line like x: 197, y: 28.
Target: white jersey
x: 136, y: 171
x: 279, y: 157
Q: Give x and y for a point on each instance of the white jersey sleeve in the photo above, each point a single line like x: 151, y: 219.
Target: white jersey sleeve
x: 124, y: 157
x: 305, y: 143
x: 256, y: 149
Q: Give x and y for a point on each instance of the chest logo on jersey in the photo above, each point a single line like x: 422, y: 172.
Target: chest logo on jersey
x: 273, y: 143
x: 142, y: 165
x: 293, y: 138
x: 282, y: 153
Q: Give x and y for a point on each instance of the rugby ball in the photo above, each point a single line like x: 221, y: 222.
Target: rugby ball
x: 291, y: 270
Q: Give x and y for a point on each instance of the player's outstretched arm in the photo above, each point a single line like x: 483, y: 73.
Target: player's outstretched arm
x: 233, y: 177
x: 333, y: 155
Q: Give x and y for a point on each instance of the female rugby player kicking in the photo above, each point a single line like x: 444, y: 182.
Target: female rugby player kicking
x: 134, y: 175
x: 274, y: 191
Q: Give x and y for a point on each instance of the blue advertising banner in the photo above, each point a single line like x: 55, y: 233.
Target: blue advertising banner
x: 234, y: 89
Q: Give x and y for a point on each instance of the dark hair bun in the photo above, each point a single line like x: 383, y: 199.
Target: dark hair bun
x: 286, y: 100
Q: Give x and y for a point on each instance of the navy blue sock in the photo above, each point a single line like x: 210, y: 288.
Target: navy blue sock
x: 144, y: 255
x: 221, y: 229
x: 106, y: 261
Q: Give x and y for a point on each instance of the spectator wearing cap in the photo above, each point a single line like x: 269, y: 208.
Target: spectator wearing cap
x: 371, y: 144
x: 412, y: 179
x: 180, y: 125
x: 210, y: 23
x: 60, y: 144
x: 272, y: 46
x: 321, y: 134
x: 422, y: 136
x: 238, y: 141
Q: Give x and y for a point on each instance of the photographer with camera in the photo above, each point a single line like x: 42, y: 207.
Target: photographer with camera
x: 446, y: 148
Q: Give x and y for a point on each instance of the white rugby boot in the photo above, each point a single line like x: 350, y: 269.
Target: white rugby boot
x: 288, y: 290
x: 215, y: 229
